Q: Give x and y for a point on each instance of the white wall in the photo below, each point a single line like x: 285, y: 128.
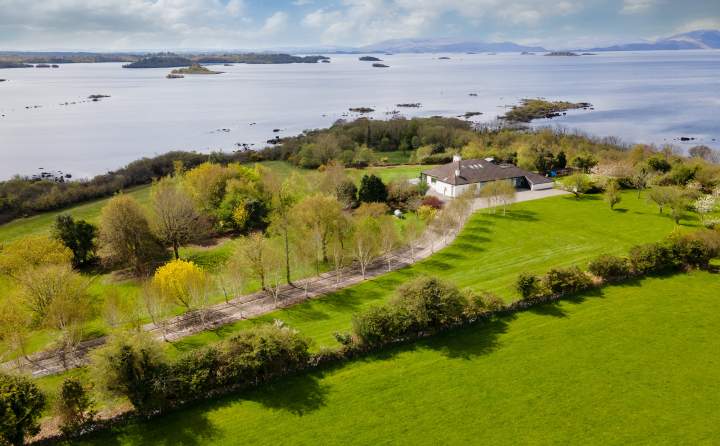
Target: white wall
x: 541, y: 186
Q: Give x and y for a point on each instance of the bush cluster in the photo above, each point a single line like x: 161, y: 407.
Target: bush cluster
x: 425, y: 305
x: 135, y: 368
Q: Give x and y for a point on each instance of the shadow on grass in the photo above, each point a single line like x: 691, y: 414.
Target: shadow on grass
x: 516, y: 215
x: 299, y: 395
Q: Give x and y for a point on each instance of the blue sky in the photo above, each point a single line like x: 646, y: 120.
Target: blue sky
x: 257, y: 24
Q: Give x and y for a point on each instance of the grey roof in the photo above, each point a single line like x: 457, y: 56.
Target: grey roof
x: 480, y: 171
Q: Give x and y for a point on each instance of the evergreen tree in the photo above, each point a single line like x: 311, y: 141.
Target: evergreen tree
x: 372, y: 190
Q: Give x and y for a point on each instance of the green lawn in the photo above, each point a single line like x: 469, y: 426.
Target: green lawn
x: 631, y: 364
x: 488, y: 255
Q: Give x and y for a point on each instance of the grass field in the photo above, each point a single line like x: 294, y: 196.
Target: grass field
x: 43, y: 223
x: 488, y: 255
x: 631, y: 364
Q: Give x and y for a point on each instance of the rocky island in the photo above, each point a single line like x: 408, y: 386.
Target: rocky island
x: 194, y: 69
x: 362, y: 110
x: 530, y: 109
x: 380, y: 65
x: 562, y: 54
x: 369, y: 59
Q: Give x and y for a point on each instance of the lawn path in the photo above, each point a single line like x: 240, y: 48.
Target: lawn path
x: 50, y: 362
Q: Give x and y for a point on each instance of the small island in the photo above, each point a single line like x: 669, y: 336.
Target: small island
x: 562, y: 54
x: 362, y: 110
x: 530, y: 109
x: 469, y: 115
x: 97, y: 97
x: 410, y: 105
x: 443, y: 58
x: 369, y: 59
x: 3, y: 80
x: 194, y: 69
x: 175, y: 76
x: 380, y: 65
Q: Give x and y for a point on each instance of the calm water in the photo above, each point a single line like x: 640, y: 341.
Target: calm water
x: 653, y: 97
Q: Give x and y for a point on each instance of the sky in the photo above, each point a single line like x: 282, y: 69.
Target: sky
x: 114, y: 25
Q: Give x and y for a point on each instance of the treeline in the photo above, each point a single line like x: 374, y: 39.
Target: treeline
x: 426, y: 140
x: 22, y: 196
x: 134, y: 366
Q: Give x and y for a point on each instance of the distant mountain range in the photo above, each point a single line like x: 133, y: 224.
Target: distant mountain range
x: 703, y: 39
x: 444, y: 46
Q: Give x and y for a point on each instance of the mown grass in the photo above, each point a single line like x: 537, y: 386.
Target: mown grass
x: 487, y: 255
x: 630, y: 364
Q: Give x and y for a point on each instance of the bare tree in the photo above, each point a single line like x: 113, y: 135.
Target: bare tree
x: 507, y: 194
x: 389, y: 237
x: 412, y: 231
x: 156, y: 307
x: 176, y: 219
x: 366, y: 246
x: 316, y: 216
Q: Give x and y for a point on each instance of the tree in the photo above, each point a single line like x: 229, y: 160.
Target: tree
x: 412, y: 231
x: 253, y: 249
x: 658, y: 164
x: 507, y: 194
x: 490, y: 191
x: 577, y: 184
x: 281, y: 219
x: 176, y: 220
x: 346, y: 193
x: 678, y: 204
x: 21, y: 405
x: 183, y: 283
x: 661, y: 196
x: 389, y: 237
x: 156, y: 306
x: 125, y: 235
x: 121, y: 309
x: 206, y: 185
x: 585, y: 161
x: 560, y: 161
x: 31, y: 252
x: 131, y: 367
x: 78, y: 236
x: 705, y: 205
x: 14, y: 327
x: 372, y: 190
x: 703, y: 152
x: 234, y: 277
x: 640, y: 180
x: 612, y: 193
x: 366, y: 243
x: 74, y: 408
x: 317, y: 215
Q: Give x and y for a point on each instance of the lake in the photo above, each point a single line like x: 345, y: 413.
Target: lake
x: 644, y: 97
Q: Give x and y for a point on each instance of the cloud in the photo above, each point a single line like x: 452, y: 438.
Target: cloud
x: 121, y: 24
x: 302, y: 2
x: 636, y: 6
x: 694, y: 25
x: 275, y: 23
x: 372, y: 20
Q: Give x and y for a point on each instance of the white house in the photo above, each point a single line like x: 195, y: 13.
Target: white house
x: 454, y: 178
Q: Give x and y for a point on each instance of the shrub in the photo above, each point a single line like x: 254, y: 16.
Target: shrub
x: 132, y: 367
x: 528, y: 285
x: 377, y: 325
x: 429, y: 303
x: 74, y: 408
x: 481, y: 304
x: 695, y: 249
x: 561, y: 281
x: 649, y: 258
x: 262, y: 353
x: 21, y: 404
x: 346, y: 193
x: 432, y: 201
x: 609, y: 267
